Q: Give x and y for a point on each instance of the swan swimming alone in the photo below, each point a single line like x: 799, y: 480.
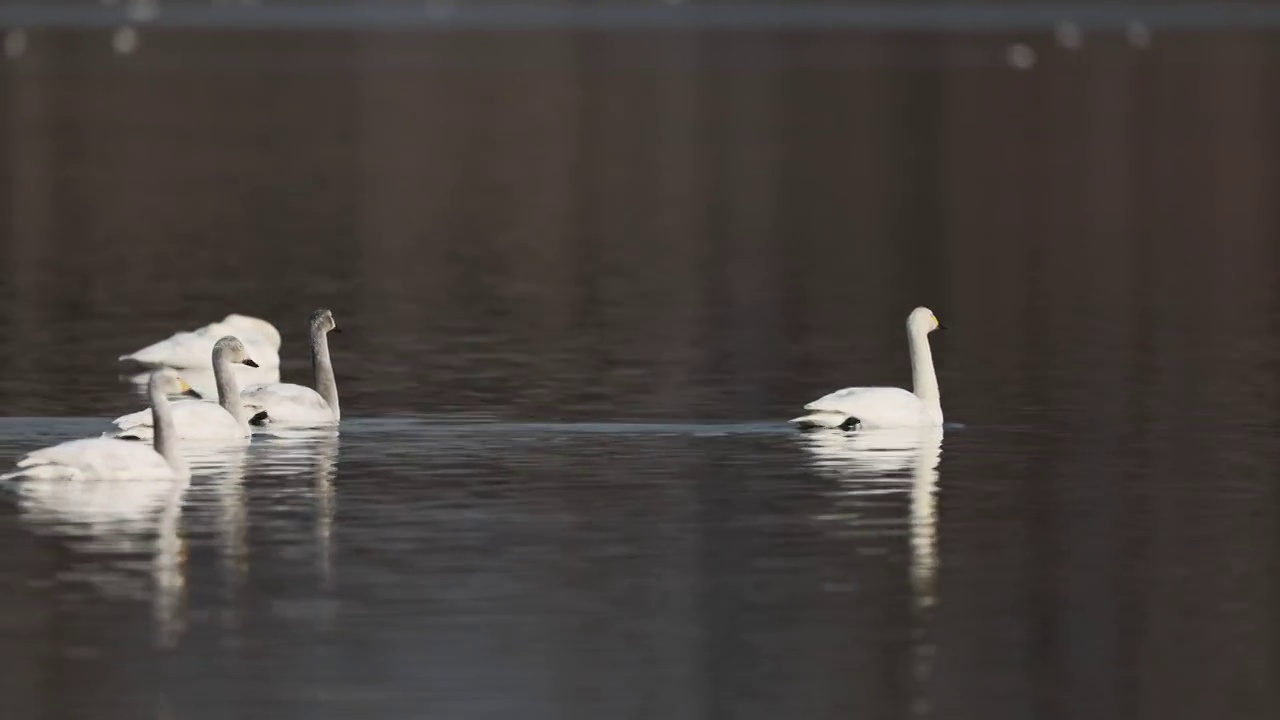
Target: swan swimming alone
x: 191, y: 349
x: 111, y: 459
x: 283, y: 404
x: 197, y: 419
x: 887, y: 407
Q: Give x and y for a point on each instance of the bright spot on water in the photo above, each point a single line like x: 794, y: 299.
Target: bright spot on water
x: 125, y: 40
x: 1020, y: 56
x: 15, y: 43
x: 1068, y: 34
x: 143, y: 10
x: 439, y: 9
x: 1138, y: 33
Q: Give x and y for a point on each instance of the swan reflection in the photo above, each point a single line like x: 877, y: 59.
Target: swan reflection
x: 873, y: 470
x: 313, y: 451
x: 108, y: 524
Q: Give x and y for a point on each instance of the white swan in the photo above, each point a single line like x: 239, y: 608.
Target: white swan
x: 289, y: 404
x: 111, y: 459
x: 197, y: 419
x: 887, y: 407
x: 191, y: 349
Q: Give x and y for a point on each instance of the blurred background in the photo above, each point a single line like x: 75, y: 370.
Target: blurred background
x: 587, y: 258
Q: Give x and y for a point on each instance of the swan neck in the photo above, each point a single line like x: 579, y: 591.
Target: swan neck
x: 228, y: 385
x: 322, y: 366
x: 166, y: 435
x: 924, y: 380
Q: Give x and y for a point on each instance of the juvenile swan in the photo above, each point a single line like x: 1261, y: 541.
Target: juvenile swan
x: 887, y: 407
x: 191, y: 349
x: 199, y: 420
x: 111, y: 459
x: 289, y: 404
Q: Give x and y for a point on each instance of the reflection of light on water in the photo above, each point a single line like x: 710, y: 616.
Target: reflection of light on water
x: 15, y: 43
x: 1020, y: 56
x: 233, y: 521
x: 289, y: 451
x: 872, y: 467
x: 170, y: 581
x: 110, y: 521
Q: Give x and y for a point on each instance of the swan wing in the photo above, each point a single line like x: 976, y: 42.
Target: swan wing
x: 873, y: 407
x: 194, y: 349
x: 287, y: 403
x: 192, y: 419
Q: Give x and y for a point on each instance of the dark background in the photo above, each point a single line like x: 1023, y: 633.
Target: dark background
x: 671, y: 225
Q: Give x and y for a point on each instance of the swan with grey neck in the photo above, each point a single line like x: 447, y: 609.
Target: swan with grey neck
x: 887, y: 407
x: 287, y: 404
x: 111, y: 459
x: 199, y: 420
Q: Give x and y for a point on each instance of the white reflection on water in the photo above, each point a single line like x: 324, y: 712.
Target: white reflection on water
x: 872, y: 468
x: 110, y: 524
x: 285, y: 452
x: 128, y: 538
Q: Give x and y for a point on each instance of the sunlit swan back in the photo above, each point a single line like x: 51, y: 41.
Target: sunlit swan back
x: 112, y: 459
x: 887, y: 407
x: 191, y: 349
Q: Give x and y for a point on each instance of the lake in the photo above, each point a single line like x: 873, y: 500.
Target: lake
x: 584, y: 278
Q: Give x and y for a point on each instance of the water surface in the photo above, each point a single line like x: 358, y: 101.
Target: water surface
x: 584, y: 278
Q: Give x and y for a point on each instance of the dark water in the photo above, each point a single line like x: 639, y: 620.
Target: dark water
x: 584, y: 279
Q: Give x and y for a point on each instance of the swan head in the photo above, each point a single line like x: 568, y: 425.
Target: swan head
x: 923, y: 321
x: 322, y: 321
x: 233, y: 350
x: 167, y: 381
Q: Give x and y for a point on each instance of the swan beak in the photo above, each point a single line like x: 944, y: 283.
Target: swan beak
x: 941, y: 327
x: 336, y: 329
x: 187, y: 390
x: 250, y: 362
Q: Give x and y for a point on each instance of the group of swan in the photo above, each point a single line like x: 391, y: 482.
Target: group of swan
x: 120, y: 454
x: 854, y: 408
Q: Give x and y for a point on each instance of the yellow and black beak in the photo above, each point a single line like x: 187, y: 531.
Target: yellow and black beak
x: 187, y: 390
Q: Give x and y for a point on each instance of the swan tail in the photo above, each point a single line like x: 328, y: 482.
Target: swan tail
x: 29, y: 469
x: 826, y: 419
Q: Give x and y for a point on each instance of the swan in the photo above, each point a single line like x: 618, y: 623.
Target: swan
x: 887, y: 407
x: 198, y: 419
x: 190, y: 349
x: 289, y: 404
x: 108, y: 459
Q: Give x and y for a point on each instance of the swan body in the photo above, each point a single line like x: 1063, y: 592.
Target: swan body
x: 288, y: 404
x: 869, y: 408
x: 191, y: 349
x: 94, y: 459
x: 197, y: 419
x: 284, y: 404
x: 112, y: 459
